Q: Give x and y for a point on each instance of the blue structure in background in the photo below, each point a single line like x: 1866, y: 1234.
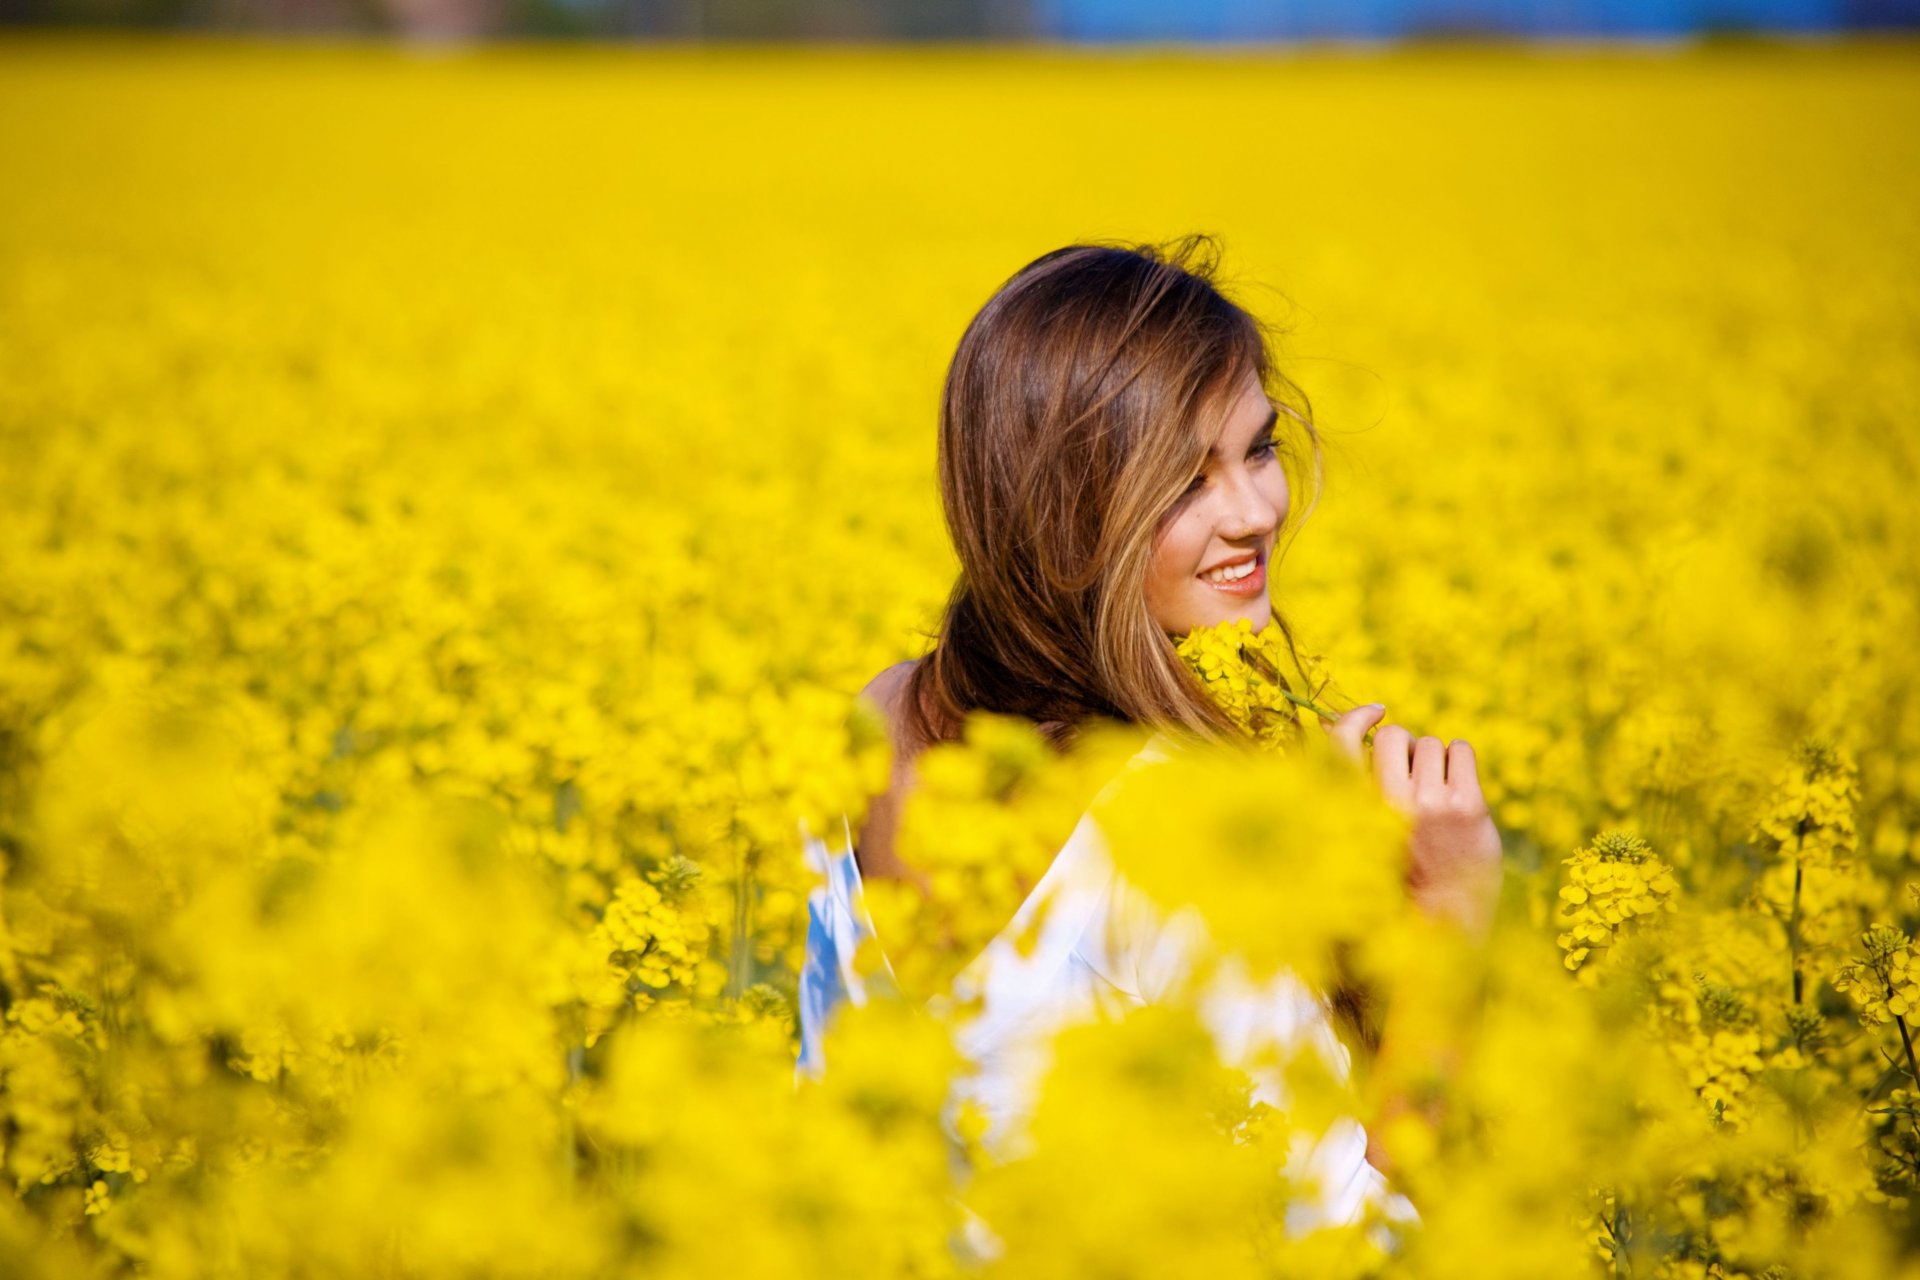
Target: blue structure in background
x: 1186, y: 22
x: 1230, y: 20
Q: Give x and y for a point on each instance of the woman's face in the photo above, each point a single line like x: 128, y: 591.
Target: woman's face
x: 1210, y: 556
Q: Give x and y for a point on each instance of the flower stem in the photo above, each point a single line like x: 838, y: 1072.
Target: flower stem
x: 1260, y: 663
x: 1907, y: 1039
x: 1793, y: 931
x: 1309, y: 704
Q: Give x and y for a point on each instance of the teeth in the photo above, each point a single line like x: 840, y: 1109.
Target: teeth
x: 1233, y: 573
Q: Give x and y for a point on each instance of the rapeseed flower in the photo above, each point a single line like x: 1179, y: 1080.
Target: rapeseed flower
x: 1612, y: 882
x: 414, y: 668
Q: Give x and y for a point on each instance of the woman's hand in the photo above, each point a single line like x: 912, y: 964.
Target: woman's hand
x: 1455, y: 869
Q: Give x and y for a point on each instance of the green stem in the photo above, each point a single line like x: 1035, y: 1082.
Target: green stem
x: 570, y: 1153
x: 1793, y: 931
x: 1907, y: 1040
x: 1616, y: 1230
x: 740, y: 956
x: 1309, y: 704
x: 1259, y: 662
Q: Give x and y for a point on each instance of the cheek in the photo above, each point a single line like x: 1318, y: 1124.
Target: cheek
x: 1176, y: 558
x: 1277, y: 492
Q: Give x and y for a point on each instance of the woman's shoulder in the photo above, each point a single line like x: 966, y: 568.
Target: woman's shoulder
x: 888, y: 689
x: 873, y: 846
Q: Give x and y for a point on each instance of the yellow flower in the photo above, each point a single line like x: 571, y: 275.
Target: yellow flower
x: 1612, y: 882
x: 1881, y: 980
x: 1241, y: 671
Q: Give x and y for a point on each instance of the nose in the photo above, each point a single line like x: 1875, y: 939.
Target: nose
x: 1250, y: 513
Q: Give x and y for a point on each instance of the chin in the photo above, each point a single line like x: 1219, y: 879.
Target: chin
x: 1258, y: 613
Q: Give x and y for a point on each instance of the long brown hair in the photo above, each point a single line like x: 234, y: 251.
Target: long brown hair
x: 1075, y: 411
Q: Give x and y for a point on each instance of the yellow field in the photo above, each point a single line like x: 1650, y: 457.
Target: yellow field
x: 450, y: 499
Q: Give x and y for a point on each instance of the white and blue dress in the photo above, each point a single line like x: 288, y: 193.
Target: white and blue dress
x: 1097, y: 945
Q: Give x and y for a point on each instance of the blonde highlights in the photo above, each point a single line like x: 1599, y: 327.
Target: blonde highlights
x: 1075, y: 411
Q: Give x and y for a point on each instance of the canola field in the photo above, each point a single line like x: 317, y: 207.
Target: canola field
x: 452, y: 498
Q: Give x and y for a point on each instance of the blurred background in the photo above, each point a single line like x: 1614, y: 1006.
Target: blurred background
x: 460, y: 458
x: 1052, y: 20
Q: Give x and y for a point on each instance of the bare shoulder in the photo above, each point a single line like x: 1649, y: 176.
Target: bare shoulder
x: 874, y: 847
x: 887, y: 686
x: 888, y: 689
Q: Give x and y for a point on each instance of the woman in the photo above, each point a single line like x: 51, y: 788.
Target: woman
x: 1117, y: 456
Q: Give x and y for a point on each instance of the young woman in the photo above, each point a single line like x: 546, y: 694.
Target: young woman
x: 1118, y: 456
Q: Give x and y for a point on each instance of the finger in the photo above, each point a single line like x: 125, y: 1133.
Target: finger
x: 1350, y: 730
x: 1392, y: 760
x: 1429, y: 766
x: 1392, y: 752
x: 1463, y: 769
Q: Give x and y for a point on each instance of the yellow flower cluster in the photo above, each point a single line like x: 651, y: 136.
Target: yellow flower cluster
x: 1243, y: 673
x: 1260, y: 843
x: 1614, y: 880
x: 982, y: 823
x: 1226, y: 1189
x: 1721, y: 1054
x: 1811, y: 818
x: 1811, y: 884
x: 1896, y: 1140
x: 452, y: 502
x: 1881, y: 980
x: 647, y: 936
x: 1711, y: 988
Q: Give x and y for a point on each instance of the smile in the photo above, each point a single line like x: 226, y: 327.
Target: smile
x: 1241, y: 578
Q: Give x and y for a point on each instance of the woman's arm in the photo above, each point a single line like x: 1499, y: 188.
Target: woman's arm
x: 1454, y: 877
x: 873, y: 843
x: 1432, y: 1016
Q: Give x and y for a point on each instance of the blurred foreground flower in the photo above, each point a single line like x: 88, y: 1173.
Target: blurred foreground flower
x: 985, y: 819
x: 1287, y: 858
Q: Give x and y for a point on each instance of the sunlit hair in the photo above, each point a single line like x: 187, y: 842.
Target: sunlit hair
x: 1080, y: 403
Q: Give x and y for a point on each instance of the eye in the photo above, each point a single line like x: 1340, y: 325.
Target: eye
x: 1195, y: 485
x: 1267, y: 448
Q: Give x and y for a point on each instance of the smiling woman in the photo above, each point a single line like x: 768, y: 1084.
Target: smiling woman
x: 1112, y: 480
x: 1103, y: 445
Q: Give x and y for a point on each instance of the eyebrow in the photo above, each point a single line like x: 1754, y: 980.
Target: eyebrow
x: 1273, y: 416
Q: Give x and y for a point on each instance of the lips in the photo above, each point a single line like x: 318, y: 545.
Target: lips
x: 1241, y: 576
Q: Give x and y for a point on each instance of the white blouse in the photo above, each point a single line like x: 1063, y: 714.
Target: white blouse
x: 1101, y: 947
